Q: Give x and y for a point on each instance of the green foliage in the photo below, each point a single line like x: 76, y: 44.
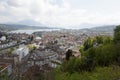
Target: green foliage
x: 96, y: 52
x: 107, y: 40
x: 31, y: 47
x: 68, y: 66
x: 99, y: 39
x: 96, y: 41
x: 77, y: 65
x: 88, y: 44
x: 104, y: 55
x: 11, y: 50
x: 68, y: 54
x: 117, y: 34
x: 3, y: 76
x: 100, y: 73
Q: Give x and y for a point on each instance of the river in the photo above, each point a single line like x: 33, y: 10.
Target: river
x: 32, y: 31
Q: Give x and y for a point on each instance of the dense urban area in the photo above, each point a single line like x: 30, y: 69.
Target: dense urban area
x: 85, y: 54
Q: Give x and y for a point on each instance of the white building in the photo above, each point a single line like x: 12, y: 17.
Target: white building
x: 22, y: 51
x: 38, y: 38
x: 3, y: 38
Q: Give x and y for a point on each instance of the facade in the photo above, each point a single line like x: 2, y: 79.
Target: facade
x: 22, y: 51
x: 42, y: 58
x: 3, y: 38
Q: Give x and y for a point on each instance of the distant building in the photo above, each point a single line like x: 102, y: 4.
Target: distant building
x: 3, y: 38
x: 22, y: 51
x: 38, y: 38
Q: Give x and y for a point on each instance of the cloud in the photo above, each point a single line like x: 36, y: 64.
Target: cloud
x: 51, y: 13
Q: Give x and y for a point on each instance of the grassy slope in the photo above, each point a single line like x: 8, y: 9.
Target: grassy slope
x: 105, y: 73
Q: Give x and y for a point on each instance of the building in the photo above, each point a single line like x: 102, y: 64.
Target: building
x: 22, y: 51
x: 42, y: 58
x: 3, y: 38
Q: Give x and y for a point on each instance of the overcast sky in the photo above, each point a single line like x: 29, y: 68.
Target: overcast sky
x: 60, y: 13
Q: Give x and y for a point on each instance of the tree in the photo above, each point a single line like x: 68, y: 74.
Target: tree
x: 11, y: 50
x: 3, y: 76
x: 68, y: 54
x: 88, y: 44
x: 107, y: 40
x: 117, y: 34
x: 99, y: 39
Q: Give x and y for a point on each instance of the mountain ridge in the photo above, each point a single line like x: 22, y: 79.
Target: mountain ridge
x: 10, y: 27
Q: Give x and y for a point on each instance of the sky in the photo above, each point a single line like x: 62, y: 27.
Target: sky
x: 60, y: 13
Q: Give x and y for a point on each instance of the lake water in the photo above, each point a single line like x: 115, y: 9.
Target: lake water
x: 32, y: 31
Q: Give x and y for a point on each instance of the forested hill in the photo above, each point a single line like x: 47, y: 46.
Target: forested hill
x: 10, y: 27
x: 100, y: 29
x: 106, y: 28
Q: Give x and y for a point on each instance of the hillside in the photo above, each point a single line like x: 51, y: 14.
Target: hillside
x: 97, y: 62
x: 10, y: 27
x: 106, y: 28
x: 99, y: 29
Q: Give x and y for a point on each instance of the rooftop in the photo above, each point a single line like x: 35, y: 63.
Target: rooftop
x: 3, y: 66
x: 44, y: 53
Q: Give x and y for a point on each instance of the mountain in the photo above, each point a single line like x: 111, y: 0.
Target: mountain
x: 104, y: 28
x: 83, y: 25
x: 10, y: 27
x: 99, y: 29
